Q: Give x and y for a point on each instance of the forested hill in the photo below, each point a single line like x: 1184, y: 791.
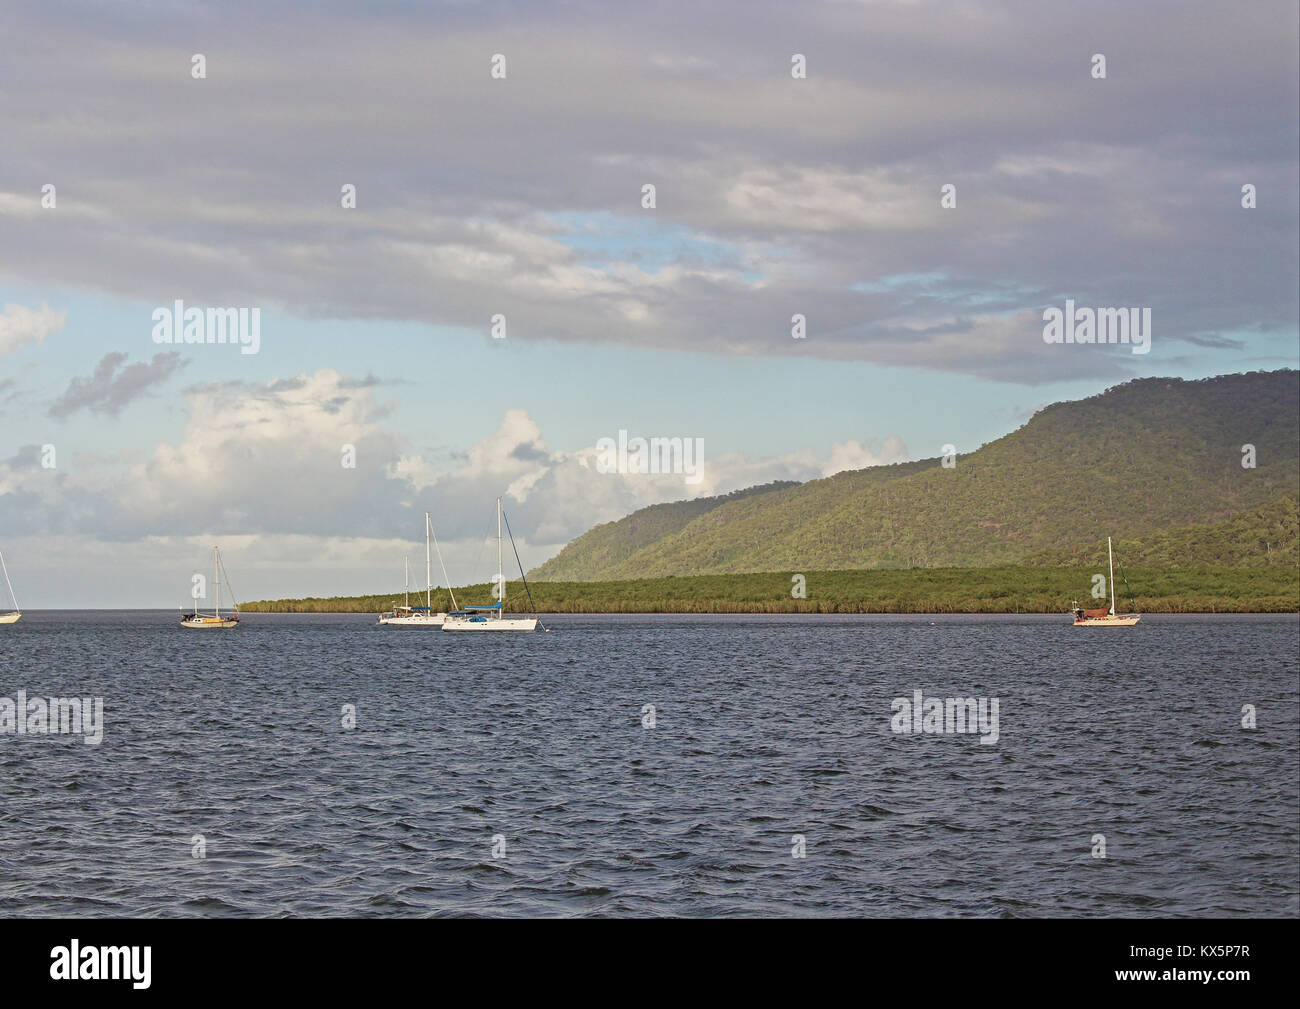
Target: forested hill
x: 1139, y: 462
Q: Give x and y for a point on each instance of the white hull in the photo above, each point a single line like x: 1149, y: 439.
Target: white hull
x: 413, y: 620
x: 209, y: 623
x: 1126, y: 620
x: 9, y: 618
x: 492, y: 624
x: 1109, y: 618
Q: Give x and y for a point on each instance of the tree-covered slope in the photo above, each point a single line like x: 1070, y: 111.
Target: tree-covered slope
x: 1136, y: 462
x: 612, y: 543
x: 1263, y: 537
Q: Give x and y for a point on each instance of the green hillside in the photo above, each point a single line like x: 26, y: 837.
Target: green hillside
x: 610, y: 544
x: 1264, y: 537
x: 1138, y: 462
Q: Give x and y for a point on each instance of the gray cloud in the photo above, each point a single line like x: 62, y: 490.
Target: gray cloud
x: 818, y: 196
x: 107, y: 390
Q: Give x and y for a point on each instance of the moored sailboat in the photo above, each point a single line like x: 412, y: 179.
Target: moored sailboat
x: 420, y: 616
x: 14, y: 615
x: 1100, y: 617
x: 492, y: 617
x: 213, y: 621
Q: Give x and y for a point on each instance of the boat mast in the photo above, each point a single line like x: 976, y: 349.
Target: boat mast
x: 407, y: 599
x: 428, y: 571
x: 9, y: 583
x: 1111, y: 554
x: 501, y: 578
x: 216, y: 574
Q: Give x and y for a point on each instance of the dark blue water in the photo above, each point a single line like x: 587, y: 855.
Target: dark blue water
x: 766, y: 728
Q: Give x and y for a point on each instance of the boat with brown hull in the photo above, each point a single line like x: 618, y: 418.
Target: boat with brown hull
x: 1105, y: 617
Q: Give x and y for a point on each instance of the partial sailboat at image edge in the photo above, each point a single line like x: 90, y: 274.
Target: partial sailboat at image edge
x: 493, y: 618
x: 214, y: 621
x: 420, y: 616
x: 16, y: 613
x: 1105, y: 618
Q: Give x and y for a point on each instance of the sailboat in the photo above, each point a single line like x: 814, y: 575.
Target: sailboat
x: 214, y: 621
x: 420, y: 616
x: 13, y: 616
x: 493, y: 618
x: 1105, y: 618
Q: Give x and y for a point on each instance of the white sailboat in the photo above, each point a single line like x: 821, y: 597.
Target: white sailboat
x: 15, y: 614
x: 420, y: 616
x: 491, y: 618
x: 1105, y: 618
x: 214, y: 621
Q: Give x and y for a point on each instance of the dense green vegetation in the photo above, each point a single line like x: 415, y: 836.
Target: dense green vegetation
x: 1267, y: 536
x: 610, y: 544
x: 1142, y: 462
x: 918, y: 590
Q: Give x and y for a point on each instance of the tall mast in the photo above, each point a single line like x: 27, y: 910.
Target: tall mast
x: 501, y: 578
x: 1111, y: 554
x: 9, y: 583
x: 407, y: 600
x: 428, y: 571
x: 216, y: 575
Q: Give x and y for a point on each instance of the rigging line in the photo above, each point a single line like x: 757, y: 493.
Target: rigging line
x: 521, y: 568
x: 444, y: 569
x: 1132, y: 601
x: 9, y: 583
x: 228, y: 585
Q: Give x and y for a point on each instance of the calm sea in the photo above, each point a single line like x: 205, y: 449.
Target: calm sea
x: 520, y: 775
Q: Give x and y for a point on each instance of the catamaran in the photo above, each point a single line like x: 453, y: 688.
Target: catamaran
x: 420, y: 616
x: 213, y: 621
x: 492, y: 617
x: 15, y: 614
x: 1105, y: 618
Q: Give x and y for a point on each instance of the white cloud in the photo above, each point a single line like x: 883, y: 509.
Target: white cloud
x: 853, y: 455
x: 259, y: 469
x: 20, y: 325
x: 267, y: 459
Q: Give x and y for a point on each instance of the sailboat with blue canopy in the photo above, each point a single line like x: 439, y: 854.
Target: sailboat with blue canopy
x: 420, y: 616
x: 491, y: 616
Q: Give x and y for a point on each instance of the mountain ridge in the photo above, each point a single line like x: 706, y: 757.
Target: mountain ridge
x: 1136, y: 461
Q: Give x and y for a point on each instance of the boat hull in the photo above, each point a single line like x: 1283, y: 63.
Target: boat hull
x: 492, y: 624
x: 1124, y: 621
x: 209, y: 623
x: 10, y: 618
x: 422, y: 620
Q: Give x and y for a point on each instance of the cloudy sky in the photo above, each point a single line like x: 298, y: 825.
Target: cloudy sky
x: 123, y: 459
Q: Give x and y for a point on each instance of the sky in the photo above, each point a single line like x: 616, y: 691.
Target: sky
x: 501, y: 293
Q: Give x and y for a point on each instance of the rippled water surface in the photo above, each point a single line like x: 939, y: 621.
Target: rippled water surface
x: 765, y: 728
